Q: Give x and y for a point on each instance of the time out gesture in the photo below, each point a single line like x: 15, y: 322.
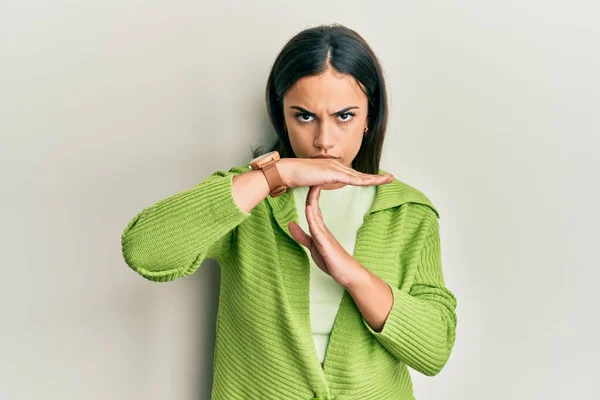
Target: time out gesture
x: 329, y: 255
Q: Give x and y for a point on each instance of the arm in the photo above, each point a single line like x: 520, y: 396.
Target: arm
x: 171, y: 238
x: 373, y: 297
x: 417, y: 327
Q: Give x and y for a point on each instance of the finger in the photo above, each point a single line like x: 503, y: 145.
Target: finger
x: 337, y: 165
x: 353, y: 172
x: 350, y: 176
x: 318, y: 213
x: 299, y: 235
x: 313, y: 195
x: 340, y: 172
x: 348, y: 170
x: 313, y: 200
x: 315, y: 230
x: 369, y: 180
x: 319, y: 219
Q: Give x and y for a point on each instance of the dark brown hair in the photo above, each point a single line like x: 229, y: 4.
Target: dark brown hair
x: 311, y: 52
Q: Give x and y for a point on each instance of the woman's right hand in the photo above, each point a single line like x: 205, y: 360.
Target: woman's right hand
x: 305, y: 172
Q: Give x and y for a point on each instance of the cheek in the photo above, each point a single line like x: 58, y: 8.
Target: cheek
x: 301, y: 144
x: 354, y: 135
x: 352, y: 145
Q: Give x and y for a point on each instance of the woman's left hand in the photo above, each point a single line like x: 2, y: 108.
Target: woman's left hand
x: 329, y: 255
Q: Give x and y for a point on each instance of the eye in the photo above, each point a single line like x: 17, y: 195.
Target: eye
x: 302, y: 117
x: 349, y: 117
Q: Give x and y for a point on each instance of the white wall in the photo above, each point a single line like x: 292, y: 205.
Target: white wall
x: 109, y: 106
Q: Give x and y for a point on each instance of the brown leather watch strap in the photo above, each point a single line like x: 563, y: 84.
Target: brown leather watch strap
x: 276, y: 185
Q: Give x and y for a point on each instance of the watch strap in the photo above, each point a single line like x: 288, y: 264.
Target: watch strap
x: 276, y: 184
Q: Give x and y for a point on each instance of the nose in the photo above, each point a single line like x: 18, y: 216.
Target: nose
x: 325, y: 136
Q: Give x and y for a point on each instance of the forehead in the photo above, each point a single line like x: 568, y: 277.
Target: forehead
x: 330, y: 87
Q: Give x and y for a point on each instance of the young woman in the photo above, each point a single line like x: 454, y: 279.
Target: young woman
x: 331, y: 282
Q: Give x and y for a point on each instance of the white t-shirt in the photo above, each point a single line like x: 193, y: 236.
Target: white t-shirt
x: 343, y: 212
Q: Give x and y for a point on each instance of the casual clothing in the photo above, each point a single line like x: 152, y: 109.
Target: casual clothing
x: 264, y: 347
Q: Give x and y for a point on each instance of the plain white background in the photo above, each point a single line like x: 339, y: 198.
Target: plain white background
x: 107, y: 107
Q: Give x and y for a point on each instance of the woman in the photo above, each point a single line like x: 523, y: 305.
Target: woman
x: 331, y: 282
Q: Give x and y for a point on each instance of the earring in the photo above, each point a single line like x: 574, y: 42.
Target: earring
x: 366, y: 129
x: 285, y: 128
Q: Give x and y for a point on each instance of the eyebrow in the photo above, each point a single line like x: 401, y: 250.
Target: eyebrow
x: 342, y: 111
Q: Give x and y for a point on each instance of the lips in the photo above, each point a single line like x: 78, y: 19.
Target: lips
x: 324, y: 156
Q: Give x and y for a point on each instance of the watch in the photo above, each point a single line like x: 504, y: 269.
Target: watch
x: 268, y: 163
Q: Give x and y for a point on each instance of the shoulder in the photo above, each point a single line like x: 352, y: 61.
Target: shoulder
x: 399, y: 192
x: 419, y: 199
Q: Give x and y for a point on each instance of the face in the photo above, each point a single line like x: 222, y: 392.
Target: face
x: 326, y: 114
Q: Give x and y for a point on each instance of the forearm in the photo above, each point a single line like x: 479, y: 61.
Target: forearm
x: 418, y: 332
x: 372, y: 296
x: 250, y: 188
x: 172, y: 237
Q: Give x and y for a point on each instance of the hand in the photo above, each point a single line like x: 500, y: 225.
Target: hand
x: 304, y: 172
x: 329, y: 255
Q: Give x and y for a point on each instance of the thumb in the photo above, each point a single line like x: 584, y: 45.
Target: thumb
x: 299, y: 235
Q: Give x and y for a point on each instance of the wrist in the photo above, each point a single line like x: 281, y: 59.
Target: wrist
x: 264, y: 183
x: 268, y: 165
x: 357, y: 276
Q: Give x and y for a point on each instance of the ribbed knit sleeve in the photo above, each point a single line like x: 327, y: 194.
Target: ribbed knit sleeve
x: 420, y: 328
x: 171, y: 238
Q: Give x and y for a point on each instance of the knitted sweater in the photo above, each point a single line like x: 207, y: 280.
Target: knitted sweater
x: 343, y: 211
x: 264, y: 347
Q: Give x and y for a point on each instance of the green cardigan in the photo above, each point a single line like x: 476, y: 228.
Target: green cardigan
x: 264, y: 348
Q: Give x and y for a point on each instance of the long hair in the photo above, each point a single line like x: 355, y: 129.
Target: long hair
x: 310, y: 52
